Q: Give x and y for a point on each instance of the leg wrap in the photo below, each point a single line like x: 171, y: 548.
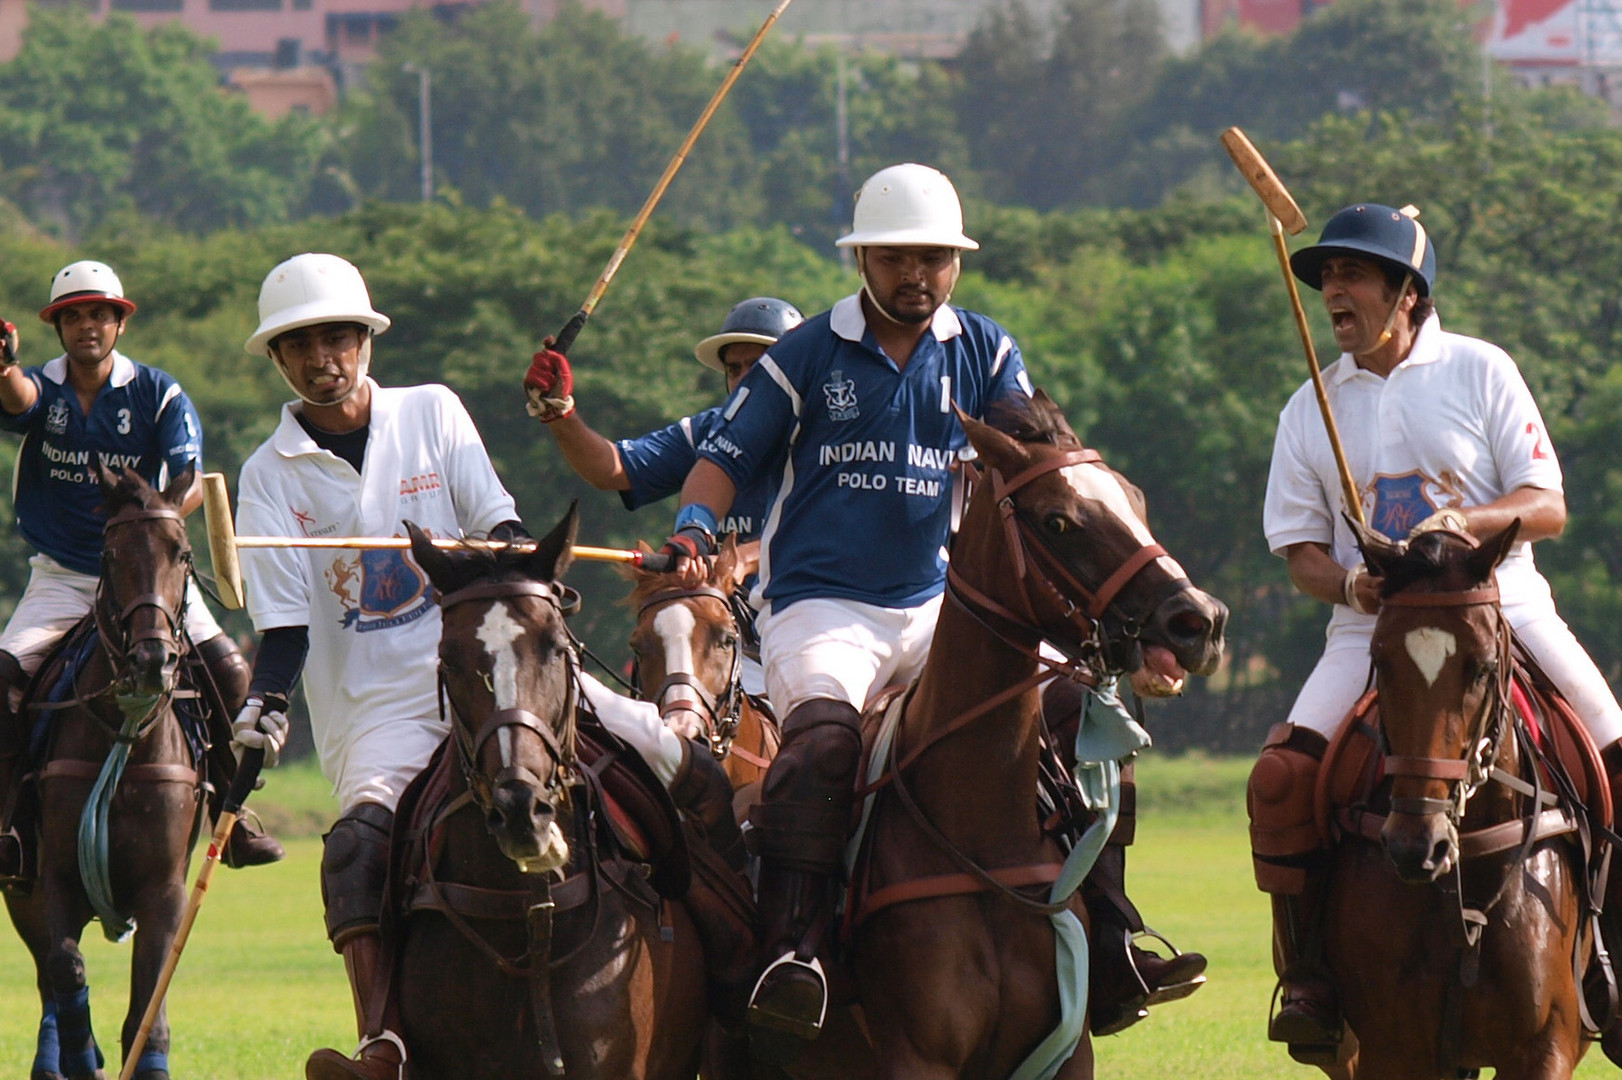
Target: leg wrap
x: 1284, y: 838
x: 803, y: 820
x: 354, y: 867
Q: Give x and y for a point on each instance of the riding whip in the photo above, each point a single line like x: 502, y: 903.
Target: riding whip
x: 224, y: 543
x: 1284, y: 215
x: 247, y: 775
x: 571, y: 329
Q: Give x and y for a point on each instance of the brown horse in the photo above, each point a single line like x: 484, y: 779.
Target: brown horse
x: 529, y: 948
x: 954, y: 955
x: 689, y: 657
x: 1449, y: 952
x: 119, y: 795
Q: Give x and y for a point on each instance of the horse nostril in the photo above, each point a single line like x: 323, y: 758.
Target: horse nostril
x: 1188, y: 626
x: 1440, y: 853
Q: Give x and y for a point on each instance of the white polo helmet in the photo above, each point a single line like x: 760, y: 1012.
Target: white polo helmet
x: 85, y: 282
x: 908, y: 205
x: 309, y: 289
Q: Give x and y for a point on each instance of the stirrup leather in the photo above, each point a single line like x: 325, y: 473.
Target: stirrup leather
x: 792, y: 1025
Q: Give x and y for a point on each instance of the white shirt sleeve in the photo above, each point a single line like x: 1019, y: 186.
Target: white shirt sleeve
x: 275, y: 581
x: 1521, y: 451
x: 1297, y: 509
x: 481, y: 501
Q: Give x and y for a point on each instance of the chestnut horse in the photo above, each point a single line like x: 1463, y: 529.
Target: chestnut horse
x: 689, y: 656
x: 529, y: 950
x: 1450, y: 954
x: 119, y: 792
x: 954, y: 954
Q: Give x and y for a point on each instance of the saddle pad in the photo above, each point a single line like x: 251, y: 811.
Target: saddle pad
x: 1354, y: 765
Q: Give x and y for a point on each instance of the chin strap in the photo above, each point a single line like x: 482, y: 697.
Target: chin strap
x: 867, y: 289
x: 361, y: 371
x: 1396, y: 309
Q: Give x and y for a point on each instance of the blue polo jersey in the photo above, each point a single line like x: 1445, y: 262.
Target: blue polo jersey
x: 658, y: 463
x: 859, y: 453
x: 141, y: 419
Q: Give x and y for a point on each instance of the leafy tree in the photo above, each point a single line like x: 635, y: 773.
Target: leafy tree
x: 96, y: 118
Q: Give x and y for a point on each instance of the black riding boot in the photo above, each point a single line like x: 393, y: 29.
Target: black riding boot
x: 1611, y: 918
x: 1125, y: 979
x: 1308, y: 1016
x: 799, y: 831
x: 229, y: 672
x: 702, y: 791
x: 13, y: 755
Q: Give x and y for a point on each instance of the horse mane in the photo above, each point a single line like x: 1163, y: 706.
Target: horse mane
x: 471, y: 566
x: 1036, y: 419
x: 645, y: 583
x: 1428, y: 556
x: 129, y: 489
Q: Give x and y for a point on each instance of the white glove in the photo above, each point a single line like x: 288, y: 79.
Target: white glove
x: 685, y: 722
x: 1449, y: 520
x: 262, y: 724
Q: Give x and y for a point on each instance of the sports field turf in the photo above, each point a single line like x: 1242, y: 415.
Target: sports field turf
x: 259, y: 987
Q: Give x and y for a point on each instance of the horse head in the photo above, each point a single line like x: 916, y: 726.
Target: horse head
x: 1087, y: 573
x: 145, y: 565
x: 1442, y: 666
x: 506, y: 666
x: 687, y: 645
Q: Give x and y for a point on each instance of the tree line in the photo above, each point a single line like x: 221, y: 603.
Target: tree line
x: 1163, y: 329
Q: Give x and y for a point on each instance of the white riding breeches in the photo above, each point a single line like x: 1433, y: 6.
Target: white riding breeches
x: 56, y: 598
x: 842, y: 649
x: 1343, y: 672
x: 639, y: 724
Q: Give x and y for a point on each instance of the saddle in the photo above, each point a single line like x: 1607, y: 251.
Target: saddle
x: 1348, y: 800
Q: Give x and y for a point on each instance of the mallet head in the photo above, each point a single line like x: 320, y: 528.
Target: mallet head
x: 1264, y: 181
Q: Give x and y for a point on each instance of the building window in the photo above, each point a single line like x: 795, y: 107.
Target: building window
x: 148, y: 5
x: 301, y: 5
x: 244, y: 5
x: 84, y: 5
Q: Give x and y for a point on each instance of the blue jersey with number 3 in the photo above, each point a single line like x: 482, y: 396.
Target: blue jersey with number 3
x: 141, y: 419
x: 861, y: 454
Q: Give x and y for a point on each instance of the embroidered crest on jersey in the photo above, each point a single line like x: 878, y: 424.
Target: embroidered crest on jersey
x: 56, y: 418
x: 841, y: 393
x: 1400, y: 503
x: 378, y: 590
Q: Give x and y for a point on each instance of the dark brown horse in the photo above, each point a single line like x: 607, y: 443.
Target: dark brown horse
x: 689, y: 655
x: 1451, y: 933
x: 118, y: 791
x: 529, y: 949
x: 955, y: 913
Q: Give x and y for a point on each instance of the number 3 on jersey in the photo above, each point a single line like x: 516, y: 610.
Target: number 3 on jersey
x: 123, y: 421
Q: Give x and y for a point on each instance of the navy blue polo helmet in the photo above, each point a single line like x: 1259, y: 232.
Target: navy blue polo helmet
x: 1394, y: 237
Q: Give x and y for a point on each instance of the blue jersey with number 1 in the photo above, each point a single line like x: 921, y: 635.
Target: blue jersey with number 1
x: 141, y: 419
x: 861, y: 453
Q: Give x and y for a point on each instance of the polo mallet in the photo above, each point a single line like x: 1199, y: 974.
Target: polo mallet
x: 1283, y: 215
x: 247, y: 774
x: 571, y: 329
x: 224, y: 543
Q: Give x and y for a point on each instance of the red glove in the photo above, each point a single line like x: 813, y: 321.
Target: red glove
x: 550, y: 385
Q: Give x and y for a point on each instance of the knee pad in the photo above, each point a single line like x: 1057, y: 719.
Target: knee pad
x: 1280, y: 797
x: 229, y: 669
x: 354, y: 868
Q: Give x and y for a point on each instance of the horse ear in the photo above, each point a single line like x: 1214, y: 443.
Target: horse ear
x: 993, y: 445
x: 106, y: 478
x: 175, y: 493
x: 437, y: 564
x: 555, y: 551
x: 1379, y: 552
x: 1493, y: 550
x: 726, y: 560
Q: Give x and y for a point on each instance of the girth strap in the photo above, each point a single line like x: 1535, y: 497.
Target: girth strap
x: 149, y: 773
x: 929, y: 888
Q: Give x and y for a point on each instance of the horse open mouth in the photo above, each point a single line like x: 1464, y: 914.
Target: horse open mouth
x: 1161, y: 675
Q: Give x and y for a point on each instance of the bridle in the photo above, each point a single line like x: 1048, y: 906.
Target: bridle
x: 469, y: 743
x: 1487, y: 728
x: 721, y: 715
x: 114, y: 629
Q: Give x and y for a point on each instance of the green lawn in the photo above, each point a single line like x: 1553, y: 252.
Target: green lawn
x: 259, y: 986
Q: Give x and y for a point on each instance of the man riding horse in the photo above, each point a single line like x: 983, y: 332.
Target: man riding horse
x: 652, y: 467
x: 365, y: 653
x: 851, y: 418
x: 1440, y: 432
x: 91, y: 405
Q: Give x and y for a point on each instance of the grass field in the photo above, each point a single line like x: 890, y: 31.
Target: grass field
x: 259, y: 987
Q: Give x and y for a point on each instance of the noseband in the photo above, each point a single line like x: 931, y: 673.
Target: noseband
x: 115, y: 634
x: 1468, y: 773
x: 720, y: 715
x: 561, y: 748
x: 1036, y: 563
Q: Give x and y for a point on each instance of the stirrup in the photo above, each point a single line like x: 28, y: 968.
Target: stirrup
x: 1172, y: 991
x: 797, y: 1026
x: 384, y: 1036
x: 1309, y: 1047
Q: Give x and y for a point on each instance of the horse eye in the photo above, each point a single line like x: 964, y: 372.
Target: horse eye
x: 1057, y: 524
